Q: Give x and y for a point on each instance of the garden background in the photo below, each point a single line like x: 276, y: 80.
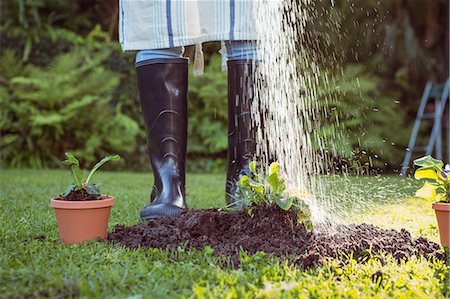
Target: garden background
x: 66, y: 84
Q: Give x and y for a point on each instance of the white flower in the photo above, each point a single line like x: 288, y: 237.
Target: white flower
x: 447, y: 168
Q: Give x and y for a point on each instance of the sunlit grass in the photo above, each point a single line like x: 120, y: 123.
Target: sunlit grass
x: 413, y: 214
x: 34, y: 263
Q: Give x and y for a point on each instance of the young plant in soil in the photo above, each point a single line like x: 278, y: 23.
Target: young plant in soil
x: 269, y: 189
x: 82, y: 189
x: 82, y: 213
x: 436, y: 187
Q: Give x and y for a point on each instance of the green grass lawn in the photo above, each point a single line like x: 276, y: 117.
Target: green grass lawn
x: 34, y: 264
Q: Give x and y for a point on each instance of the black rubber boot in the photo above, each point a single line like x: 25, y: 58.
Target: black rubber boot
x: 241, y: 130
x: 163, y: 95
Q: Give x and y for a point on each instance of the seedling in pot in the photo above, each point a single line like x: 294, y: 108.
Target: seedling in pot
x: 82, y: 185
x: 82, y: 213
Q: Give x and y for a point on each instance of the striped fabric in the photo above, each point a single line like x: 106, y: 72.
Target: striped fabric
x: 157, y: 24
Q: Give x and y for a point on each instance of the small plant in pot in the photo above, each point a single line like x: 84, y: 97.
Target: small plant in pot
x: 82, y: 212
x: 436, y: 189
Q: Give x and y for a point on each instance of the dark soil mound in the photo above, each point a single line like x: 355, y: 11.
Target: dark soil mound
x: 272, y: 231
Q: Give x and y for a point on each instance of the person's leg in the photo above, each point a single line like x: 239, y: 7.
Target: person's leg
x: 162, y: 81
x: 153, y: 54
x: 249, y: 51
x: 242, y: 57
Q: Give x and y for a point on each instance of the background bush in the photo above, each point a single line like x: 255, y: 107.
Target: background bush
x: 380, y: 54
x: 65, y: 106
x: 363, y: 126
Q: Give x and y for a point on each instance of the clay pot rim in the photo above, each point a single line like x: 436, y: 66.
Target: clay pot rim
x: 441, y: 206
x: 107, y: 201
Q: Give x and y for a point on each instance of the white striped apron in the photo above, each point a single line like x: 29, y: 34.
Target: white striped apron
x: 157, y: 24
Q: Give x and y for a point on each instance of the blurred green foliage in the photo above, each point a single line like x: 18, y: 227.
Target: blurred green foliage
x: 378, y: 56
x: 63, y: 106
x: 63, y: 74
x: 358, y: 122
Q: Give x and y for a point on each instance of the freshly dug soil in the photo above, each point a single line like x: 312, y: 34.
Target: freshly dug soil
x: 79, y: 195
x: 270, y: 230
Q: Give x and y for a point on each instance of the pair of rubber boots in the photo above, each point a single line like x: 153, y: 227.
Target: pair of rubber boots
x: 163, y: 94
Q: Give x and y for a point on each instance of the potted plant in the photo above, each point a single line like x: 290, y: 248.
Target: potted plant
x: 436, y: 189
x: 82, y: 212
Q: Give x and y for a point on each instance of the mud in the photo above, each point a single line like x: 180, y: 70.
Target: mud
x: 273, y: 231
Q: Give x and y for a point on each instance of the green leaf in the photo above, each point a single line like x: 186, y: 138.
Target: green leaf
x: 426, y: 173
x: 244, y: 181
x: 273, y: 180
x: 27, y: 48
x: 427, y: 192
x: 100, y: 163
x: 284, y: 203
x: 71, y: 159
x: 237, y: 200
x: 252, y: 167
x: 276, y: 183
x: 274, y: 168
x: 308, y: 225
x: 92, y: 189
x: 69, y: 189
x: 208, y: 250
x: 259, y: 190
x: 75, y: 168
x: 429, y: 162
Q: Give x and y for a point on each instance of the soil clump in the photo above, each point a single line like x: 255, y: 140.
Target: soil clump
x: 273, y: 231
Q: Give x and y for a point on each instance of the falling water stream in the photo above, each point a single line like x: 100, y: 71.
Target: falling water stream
x: 288, y: 116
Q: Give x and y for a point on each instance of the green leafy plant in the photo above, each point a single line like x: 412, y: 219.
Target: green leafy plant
x: 436, y: 177
x: 43, y: 109
x: 270, y: 189
x: 79, y: 183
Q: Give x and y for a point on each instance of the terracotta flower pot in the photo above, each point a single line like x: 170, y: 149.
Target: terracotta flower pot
x: 80, y: 221
x: 443, y: 218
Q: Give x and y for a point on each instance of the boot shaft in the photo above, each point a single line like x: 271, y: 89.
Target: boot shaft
x: 163, y: 95
x: 241, y: 129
